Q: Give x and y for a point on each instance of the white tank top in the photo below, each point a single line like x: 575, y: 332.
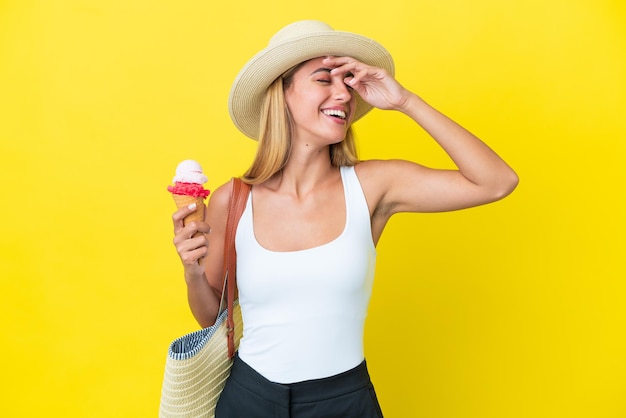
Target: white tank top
x: 304, y: 311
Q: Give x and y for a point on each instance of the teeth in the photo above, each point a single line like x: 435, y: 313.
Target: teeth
x: 332, y: 112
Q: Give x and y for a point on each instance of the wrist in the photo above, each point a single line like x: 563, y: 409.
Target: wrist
x: 194, y: 279
x: 416, y: 108
x: 409, y: 103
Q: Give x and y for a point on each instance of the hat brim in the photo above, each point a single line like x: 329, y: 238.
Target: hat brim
x: 248, y: 90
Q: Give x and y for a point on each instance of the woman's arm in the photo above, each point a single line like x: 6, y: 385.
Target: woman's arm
x: 202, y: 256
x: 403, y: 186
x: 482, y: 176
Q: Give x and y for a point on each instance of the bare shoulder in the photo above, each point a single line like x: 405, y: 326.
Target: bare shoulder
x: 369, y: 171
x: 381, y: 174
x: 217, y: 207
x: 374, y: 178
x: 379, y: 180
x: 386, y: 183
x: 380, y: 169
x: 221, y: 195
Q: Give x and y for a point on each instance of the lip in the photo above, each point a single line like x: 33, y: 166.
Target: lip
x: 334, y: 118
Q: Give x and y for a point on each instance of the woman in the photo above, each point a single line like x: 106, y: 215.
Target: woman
x: 306, y: 241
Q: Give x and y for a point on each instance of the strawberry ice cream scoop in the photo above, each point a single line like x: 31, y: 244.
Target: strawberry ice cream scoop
x: 188, y: 180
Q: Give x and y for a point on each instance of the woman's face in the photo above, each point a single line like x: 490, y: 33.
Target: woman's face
x: 321, y: 104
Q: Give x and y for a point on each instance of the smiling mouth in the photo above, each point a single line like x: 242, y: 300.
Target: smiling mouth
x: 340, y: 114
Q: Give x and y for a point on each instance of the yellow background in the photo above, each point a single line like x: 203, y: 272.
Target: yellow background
x: 515, y: 309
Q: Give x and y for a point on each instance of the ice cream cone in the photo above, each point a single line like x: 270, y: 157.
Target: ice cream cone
x: 188, y: 189
x: 184, y: 200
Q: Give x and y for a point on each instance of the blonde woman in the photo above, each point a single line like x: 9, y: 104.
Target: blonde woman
x: 306, y: 240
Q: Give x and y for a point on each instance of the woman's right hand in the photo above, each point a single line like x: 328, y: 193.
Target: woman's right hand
x: 200, y: 246
x: 191, y: 242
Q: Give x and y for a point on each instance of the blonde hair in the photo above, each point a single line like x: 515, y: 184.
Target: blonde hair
x: 275, y: 131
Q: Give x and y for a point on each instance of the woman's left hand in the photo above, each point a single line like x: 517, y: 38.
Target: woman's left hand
x: 375, y: 85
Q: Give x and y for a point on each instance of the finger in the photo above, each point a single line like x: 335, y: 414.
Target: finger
x: 195, y: 229
x: 340, y: 60
x: 347, y: 68
x: 345, y: 64
x: 357, y: 76
x: 202, y: 227
x: 182, y: 213
x: 178, y: 217
x: 192, y: 230
x: 193, y: 257
x: 191, y: 248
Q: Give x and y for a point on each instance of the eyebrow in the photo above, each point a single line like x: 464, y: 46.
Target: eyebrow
x: 320, y: 70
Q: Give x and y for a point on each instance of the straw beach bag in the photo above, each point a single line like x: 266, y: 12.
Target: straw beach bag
x: 198, y: 364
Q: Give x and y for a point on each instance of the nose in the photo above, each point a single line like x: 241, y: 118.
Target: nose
x: 341, y: 91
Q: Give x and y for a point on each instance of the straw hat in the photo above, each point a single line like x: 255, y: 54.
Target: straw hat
x: 293, y: 44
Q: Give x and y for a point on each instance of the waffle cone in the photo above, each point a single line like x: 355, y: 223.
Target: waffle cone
x: 184, y: 200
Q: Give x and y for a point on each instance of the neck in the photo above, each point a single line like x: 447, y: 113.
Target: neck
x: 305, y: 170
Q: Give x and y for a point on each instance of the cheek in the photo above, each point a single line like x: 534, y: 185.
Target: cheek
x: 291, y: 102
x: 302, y: 101
x: 294, y: 98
